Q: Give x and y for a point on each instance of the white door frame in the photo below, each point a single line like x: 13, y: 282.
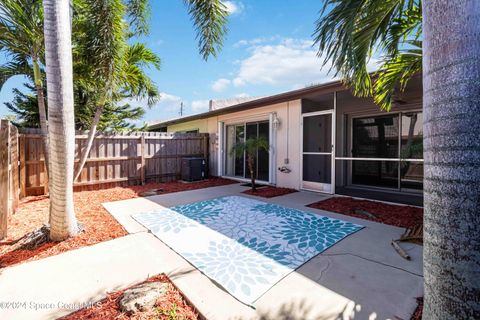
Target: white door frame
x: 317, y: 186
x: 271, y: 140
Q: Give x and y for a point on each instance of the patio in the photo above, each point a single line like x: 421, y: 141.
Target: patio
x: 359, y: 277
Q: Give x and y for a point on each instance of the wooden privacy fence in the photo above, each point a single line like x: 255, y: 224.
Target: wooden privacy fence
x: 114, y: 160
x: 9, y: 175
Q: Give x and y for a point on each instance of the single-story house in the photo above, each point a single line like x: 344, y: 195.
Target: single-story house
x: 323, y: 139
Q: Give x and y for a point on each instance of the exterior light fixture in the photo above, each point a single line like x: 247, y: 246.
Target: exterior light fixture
x: 276, y: 121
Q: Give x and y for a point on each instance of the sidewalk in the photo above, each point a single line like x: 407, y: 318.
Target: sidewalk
x: 49, y: 288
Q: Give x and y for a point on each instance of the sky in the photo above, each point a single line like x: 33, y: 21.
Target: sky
x: 268, y: 50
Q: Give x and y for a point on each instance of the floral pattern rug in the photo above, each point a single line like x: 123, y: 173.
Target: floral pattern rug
x: 242, y: 244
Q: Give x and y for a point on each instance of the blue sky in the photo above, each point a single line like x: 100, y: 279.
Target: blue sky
x: 267, y: 50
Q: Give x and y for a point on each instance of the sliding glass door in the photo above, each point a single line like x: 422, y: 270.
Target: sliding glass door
x: 387, y: 151
x: 236, y: 165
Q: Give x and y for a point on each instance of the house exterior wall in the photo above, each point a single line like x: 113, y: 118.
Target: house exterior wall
x: 201, y: 125
x: 287, y: 147
x: 288, y: 135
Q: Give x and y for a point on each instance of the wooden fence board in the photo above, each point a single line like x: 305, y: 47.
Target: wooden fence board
x: 14, y: 179
x: 9, y: 173
x: 116, y: 159
x: 4, y: 180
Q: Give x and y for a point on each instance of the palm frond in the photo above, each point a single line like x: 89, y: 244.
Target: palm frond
x: 250, y: 146
x: 138, y: 13
x: 395, y: 74
x: 14, y: 68
x: 209, y: 18
x: 350, y: 32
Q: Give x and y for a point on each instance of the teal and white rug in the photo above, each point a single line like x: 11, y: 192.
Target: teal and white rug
x: 244, y: 245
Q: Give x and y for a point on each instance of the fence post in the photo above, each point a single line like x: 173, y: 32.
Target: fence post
x: 13, y: 146
x: 4, y: 185
x: 142, y: 161
x: 23, y: 173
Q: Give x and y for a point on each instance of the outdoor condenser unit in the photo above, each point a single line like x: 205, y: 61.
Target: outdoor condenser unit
x: 194, y: 169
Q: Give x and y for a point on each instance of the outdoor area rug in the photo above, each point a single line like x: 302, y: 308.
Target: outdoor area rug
x: 244, y: 245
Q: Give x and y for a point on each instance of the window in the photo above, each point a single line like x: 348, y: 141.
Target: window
x: 395, y: 136
x: 236, y: 165
x: 411, y: 172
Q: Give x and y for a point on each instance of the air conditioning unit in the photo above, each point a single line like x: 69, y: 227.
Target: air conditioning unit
x: 194, y: 169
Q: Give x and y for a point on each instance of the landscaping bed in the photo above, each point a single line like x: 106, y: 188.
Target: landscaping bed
x: 98, y: 224
x: 396, y: 215
x: 417, y: 315
x: 172, y: 305
x: 269, y: 192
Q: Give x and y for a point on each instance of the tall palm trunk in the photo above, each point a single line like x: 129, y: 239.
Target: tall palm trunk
x: 37, y: 77
x: 91, y: 136
x: 451, y: 94
x: 61, y: 131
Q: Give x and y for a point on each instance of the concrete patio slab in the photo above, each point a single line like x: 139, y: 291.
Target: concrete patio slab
x: 53, y: 287
x: 123, y: 212
x: 361, y: 277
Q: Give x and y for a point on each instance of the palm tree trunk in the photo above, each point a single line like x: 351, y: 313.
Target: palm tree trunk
x: 91, y: 136
x: 61, y: 131
x: 252, y: 176
x: 41, y: 109
x: 451, y: 95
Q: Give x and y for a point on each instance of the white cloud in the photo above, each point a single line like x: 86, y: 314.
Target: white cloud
x: 242, y: 95
x: 234, y: 7
x: 255, y: 41
x: 221, y: 84
x: 292, y: 62
x: 200, y: 105
x: 280, y: 62
x: 165, y: 97
x: 167, y: 103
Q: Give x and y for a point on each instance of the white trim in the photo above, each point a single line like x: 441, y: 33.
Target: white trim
x: 317, y: 113
x: 379, y: 159
x: 244, y: 121
x: 318, y: 153
x: 317, y: 186
x: 272, y: 155
x: 221, y: 148
x: 334, y: 142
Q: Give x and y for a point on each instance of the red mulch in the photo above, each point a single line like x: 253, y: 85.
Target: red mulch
x: 98, y: 224
x: 396, y: 215
x: 417, y: 315
x: 171, y: 306
x: 269, y: 192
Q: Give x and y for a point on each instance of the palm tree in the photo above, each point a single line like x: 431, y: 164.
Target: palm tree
x: 452, y: 177
x: 349, y: 32
x: 250, y: 148
x: 117, y: 67
x: 354, y: 29
x: 110, y: 68
x: 209, y: 18
x: 61, y: 131
x: 21, y: 37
